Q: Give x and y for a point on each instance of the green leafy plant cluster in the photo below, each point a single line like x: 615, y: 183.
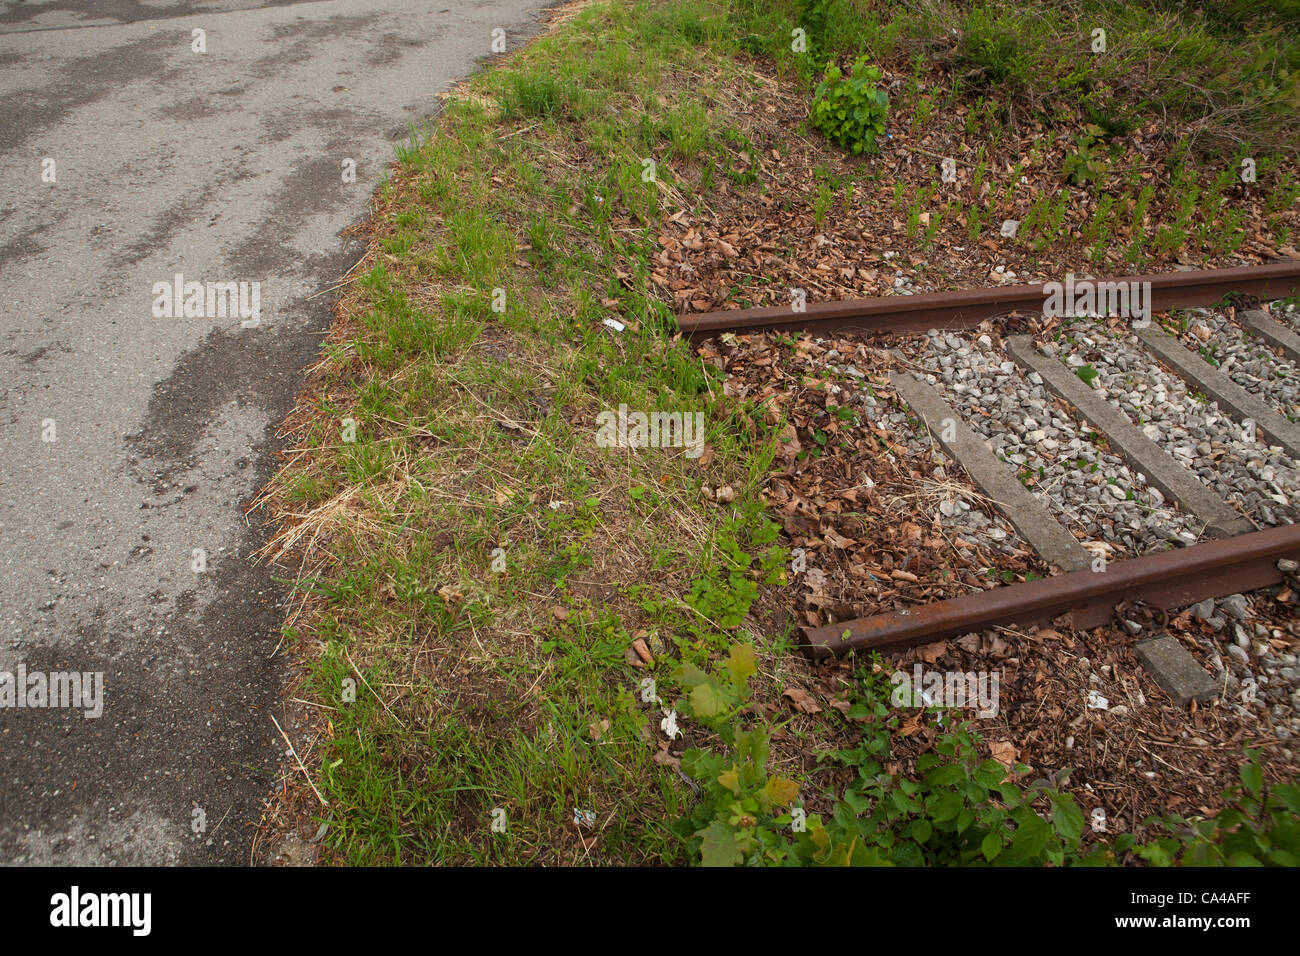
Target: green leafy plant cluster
x: 1088, y: 161
x: 1259, y: 827
x: 814, y: 17
x: 851, y: 110
x: 723, y: 597
x: 957, y: 809
x: 962, y: 810
x: 744, y: 816
x: 995, y: 41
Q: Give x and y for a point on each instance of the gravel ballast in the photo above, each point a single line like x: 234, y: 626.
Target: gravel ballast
x: 1091, y: 491
x: 1247, y: 361
x: 1259, y: 481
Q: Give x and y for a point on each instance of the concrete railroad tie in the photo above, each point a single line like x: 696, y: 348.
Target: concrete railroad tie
x: 1274, y: 333
x: 1175, y: 670
x: 1230, y: 396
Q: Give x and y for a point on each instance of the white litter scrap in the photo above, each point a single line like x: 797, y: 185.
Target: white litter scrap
x: 1097, y: 702
x: 615, y: 324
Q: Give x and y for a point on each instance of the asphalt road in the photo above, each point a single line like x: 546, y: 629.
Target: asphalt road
x: 225, y: 166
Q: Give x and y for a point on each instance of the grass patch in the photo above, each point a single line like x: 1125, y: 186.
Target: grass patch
x: 474, y: 567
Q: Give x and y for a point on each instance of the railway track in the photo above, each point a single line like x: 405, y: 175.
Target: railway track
x: 966, y: 309
x: 1151, y: 459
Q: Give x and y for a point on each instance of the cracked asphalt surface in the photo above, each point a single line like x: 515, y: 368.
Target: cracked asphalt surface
x: 224, y: 166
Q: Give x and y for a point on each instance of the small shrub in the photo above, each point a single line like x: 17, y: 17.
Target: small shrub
x: 744, y: 816
x: 994, y: 42
x: 851, y: 111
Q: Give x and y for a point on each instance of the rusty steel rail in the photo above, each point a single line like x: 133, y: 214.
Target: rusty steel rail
x: 1166, y: 580
x: 964, y: 309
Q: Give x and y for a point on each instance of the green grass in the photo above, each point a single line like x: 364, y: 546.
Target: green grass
x: 474, y: 441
